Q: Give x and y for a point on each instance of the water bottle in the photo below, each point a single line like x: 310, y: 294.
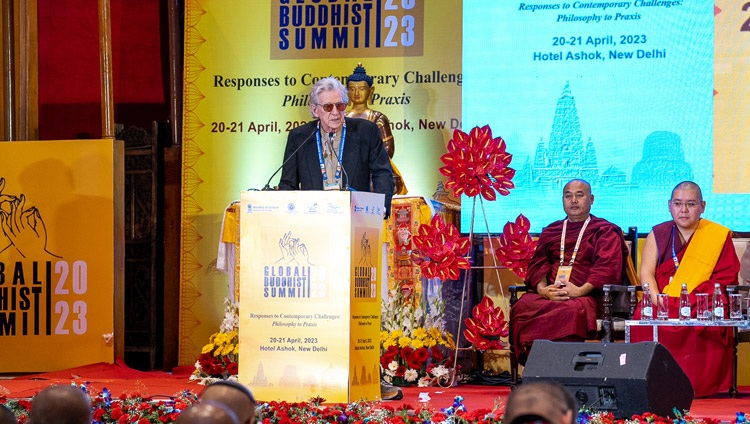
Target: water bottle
x: 647, y: 310
x: 684, y: 303
x: 718, y: 303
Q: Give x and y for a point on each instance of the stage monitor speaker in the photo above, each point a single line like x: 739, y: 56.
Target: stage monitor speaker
x: 622, y: 378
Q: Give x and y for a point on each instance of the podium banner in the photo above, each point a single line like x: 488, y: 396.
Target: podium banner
x: 310, y: 294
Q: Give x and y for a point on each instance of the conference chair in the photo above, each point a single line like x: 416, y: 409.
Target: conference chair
x: 619, y: 301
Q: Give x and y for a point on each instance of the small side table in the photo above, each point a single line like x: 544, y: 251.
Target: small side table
x: 737, y: 324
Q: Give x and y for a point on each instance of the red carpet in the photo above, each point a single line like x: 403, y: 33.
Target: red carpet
x: 118, y: 378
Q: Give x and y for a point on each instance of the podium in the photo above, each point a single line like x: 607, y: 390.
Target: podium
x: 310, y: 282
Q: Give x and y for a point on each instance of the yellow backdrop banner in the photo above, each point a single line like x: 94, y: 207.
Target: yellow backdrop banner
x: 57, y: 253
x: 249, y: 67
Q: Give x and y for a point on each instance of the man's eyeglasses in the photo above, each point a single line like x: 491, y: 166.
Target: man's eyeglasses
x: 328, y: 107
x: 678, y: 205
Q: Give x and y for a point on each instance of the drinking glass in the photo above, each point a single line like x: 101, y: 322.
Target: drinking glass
x: 735, y: 306
x: 662, y: 310
x: 702, y: 311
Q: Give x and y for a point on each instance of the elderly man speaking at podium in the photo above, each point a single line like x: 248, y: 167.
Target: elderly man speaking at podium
x: 334, y: 152
x: 700, y: 253
x: 347, y: 153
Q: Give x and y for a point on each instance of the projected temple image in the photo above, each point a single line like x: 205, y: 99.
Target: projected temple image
x: 566, y: 157
x: 633, y: 126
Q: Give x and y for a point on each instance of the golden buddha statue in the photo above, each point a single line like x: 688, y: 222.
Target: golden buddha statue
x: 360, y: 89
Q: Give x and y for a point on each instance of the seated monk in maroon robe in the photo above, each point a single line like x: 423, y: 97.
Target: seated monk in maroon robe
x: 697, y: 252
x: 564, y: 297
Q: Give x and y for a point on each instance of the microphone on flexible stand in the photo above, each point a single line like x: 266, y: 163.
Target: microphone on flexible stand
x: 330, y: 145
x: 268, y: 184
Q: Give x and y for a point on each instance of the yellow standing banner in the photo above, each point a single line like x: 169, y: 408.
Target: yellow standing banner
x: 249, y: 67
x: 310, y: 294
x: 58, y: 252
x: 731, y: 94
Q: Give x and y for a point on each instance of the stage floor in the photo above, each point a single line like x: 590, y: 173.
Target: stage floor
x: 118, y: 378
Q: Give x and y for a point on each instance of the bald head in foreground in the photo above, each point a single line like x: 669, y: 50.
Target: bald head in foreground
x: 236, y: 396
x: 207, y: 413
x: 540, y: 401
x: 60, y: 405
x: 7, y: 417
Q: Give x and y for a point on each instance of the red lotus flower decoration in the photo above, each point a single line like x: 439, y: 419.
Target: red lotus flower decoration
x: 440, y: 250
x: 486, y: 325
x: 516, y: 247
x: 476, y: 163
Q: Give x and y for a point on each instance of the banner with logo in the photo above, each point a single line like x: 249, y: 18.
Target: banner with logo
x: 249, y: 67
x: 57, y: 253
x: 310, y: 294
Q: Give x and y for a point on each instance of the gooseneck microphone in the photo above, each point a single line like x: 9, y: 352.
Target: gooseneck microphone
x: 268, y: 184
x: 330, y: 145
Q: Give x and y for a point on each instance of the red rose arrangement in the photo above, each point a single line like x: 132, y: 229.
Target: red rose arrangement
x: 219, y: 359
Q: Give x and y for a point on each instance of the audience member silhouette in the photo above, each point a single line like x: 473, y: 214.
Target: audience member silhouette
x: 234, y: 395
x: 60, y: 405
x: 207, y: 413
x: 542, y: 401
x: 7, y: 417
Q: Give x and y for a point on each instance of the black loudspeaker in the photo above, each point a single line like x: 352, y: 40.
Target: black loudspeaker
x: 622, y: 378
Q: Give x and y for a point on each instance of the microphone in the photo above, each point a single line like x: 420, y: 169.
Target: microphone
x: 268, y: 183
x: 330, y: 145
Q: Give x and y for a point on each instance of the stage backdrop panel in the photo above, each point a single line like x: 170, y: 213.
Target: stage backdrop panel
x: 249, y: 67
x: 310, y: 294
x: 58, y: 253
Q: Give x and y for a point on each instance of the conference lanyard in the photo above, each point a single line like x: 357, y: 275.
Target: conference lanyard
x: 674, y: 252
x: 340, y: 157
x: 578, y: 242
